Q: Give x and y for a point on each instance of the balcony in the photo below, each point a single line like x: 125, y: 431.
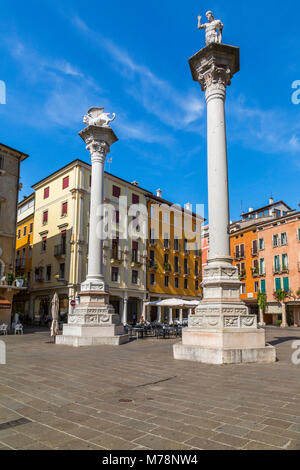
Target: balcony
x: 255, y: 272
x: 254, y: 252
x: 242, y: 275
x: 167, y: 267
x: 152, y: 265
x: 167, y: 245
x: 60, y: 251
x: 136, y: 258
x: 116, y: 255
x: 280, y: 270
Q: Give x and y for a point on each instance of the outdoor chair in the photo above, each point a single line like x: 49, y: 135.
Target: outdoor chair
x: 18, y: 329
x: 3, y: 329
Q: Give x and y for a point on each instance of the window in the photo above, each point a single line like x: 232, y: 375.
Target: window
x: 240, y: 251
x: 166, y: 240
x: 152, y: 211
x: 152, y: 236
x: 152, y: 279
x: 19, y: 234
x: 283, y: 238
x: 298, y: 234
x: 261, y: 244
x: 254, y: 247
x: 134, y: 276
x: 197, y: 252
x: 262, y: 269
x: 116, y: 191
x: 277, y: 283
x: 115, y: 248
x: 46, y: 192
x: 176, y: 264
x: 263, y: 286
x: 30, y: 252
x: 39, y: 274
x: 256, y: 286
x: 196, y: 284
x: 176, y: 220
x: 135, y: 251
x: 285, y: 262
x: 286, y: 284
x: 116, y: 217
x: 176, y: 282
x: 166, y: 258
x: 45, y: 217
x: 31, y: 227
x: 23, y: 256
x: 275, y: 241
x: 176, y: 244
x: 24, y: 230
x: 277, y: 263
x: 185, y: 266
x: 1, y: 162
x: 166, y: 217
x: 135, y: 199
x: 243, y: 288
x: 185, y: 245
x: 65, y: 182
x: 64, y: 209
x: 166, y: 281
x: 185, y: 283
x: 61, y: 270
x: 196, y: 268
x: 44, y: 244
x: 48, y: 273
x: 114, y: 274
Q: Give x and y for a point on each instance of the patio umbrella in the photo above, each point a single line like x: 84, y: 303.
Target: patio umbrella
x: 54, y: 313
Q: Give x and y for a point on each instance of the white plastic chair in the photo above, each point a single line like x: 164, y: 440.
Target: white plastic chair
x: 3, y: 328
x: 18, y: 329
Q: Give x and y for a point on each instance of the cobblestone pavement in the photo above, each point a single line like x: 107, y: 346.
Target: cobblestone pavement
x: 137, y: 396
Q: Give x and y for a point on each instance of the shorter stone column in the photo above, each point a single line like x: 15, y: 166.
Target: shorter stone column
x: 180, y: 315
x: 170, y: 315
x: 284, y: 323
x: 261, y: 317
x: 125, y: 301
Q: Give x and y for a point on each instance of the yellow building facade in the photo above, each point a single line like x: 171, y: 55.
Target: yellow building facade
x: 60, y: 242
x: 174, y: 256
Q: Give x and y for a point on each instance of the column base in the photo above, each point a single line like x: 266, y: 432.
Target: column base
x: 93, y: 322
x: 83, y: 335
x: 265, y: 354
x: 224, y: 346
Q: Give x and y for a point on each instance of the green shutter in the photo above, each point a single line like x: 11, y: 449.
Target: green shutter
x: 277, y: 283
x: 263, y: 286
x: 286, y: 284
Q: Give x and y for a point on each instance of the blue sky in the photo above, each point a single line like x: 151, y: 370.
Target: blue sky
x: 60, y: 58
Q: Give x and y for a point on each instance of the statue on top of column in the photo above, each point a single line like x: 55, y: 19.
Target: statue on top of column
x: 97, y: 117
x: 213, y: 29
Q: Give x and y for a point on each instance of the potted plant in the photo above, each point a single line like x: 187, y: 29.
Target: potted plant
x: 10, y: 278
x: 298, y: 292
x: 20, y: 281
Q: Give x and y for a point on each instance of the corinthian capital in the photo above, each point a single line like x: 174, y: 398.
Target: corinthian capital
x: 98, y: 149
x: 214, y: 77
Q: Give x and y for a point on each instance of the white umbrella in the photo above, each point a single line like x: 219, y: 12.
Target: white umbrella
x: 54, y: 313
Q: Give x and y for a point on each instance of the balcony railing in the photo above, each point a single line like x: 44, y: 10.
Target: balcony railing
x: 136, y: 257
x: 176, y: 247
x: 59, y: 250
x: 167, y: 244
x: 116, y: 255
x: 167, y: 267
x: 177, y: 270
x: 255, y: 272
x: 186, y: 272
x: 280, y: 269
x: 254, y: 252
x: 152, y: 264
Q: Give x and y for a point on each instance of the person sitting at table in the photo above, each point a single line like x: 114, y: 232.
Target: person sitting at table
x: 142, y: 320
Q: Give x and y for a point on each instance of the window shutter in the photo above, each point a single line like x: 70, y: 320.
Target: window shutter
x: 65, y: 183
x: 286, y: 284
x: 277, y: 283
x: 135, y: 199
x: 46, y: 192
x: 263, y: 286
x: 116, y: 191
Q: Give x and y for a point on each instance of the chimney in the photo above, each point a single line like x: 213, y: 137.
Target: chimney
x: 188, y: 206
x: 251, y: 209
x: 158, y: 192
x: 271, y: 201
x: 135, y: 183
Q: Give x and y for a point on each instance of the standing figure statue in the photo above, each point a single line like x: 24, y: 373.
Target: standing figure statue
x: 213, y: 29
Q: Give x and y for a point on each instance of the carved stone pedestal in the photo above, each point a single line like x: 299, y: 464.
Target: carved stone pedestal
x: 93, y: 322
x: 222, y: 331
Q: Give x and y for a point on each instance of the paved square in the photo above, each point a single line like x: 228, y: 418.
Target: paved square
x: 137, y: 396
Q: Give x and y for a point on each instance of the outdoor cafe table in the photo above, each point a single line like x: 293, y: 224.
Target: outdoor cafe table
x: 139, y: 332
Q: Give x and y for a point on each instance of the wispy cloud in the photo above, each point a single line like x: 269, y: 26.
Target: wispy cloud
x: 159, y: 97
x: 267, y: 130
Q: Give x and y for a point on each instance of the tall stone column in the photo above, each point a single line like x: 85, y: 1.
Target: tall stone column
x: 221, y: 331
x: 94, y: 320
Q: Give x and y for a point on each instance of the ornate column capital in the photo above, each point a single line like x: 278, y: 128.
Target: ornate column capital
x: 98, y: 149
x: 213, y: 68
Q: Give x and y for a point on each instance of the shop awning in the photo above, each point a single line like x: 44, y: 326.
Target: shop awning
x: 175, y: 303
x: 5, y: 304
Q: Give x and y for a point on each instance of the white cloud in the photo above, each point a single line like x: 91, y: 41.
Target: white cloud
x: 159, y: 97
